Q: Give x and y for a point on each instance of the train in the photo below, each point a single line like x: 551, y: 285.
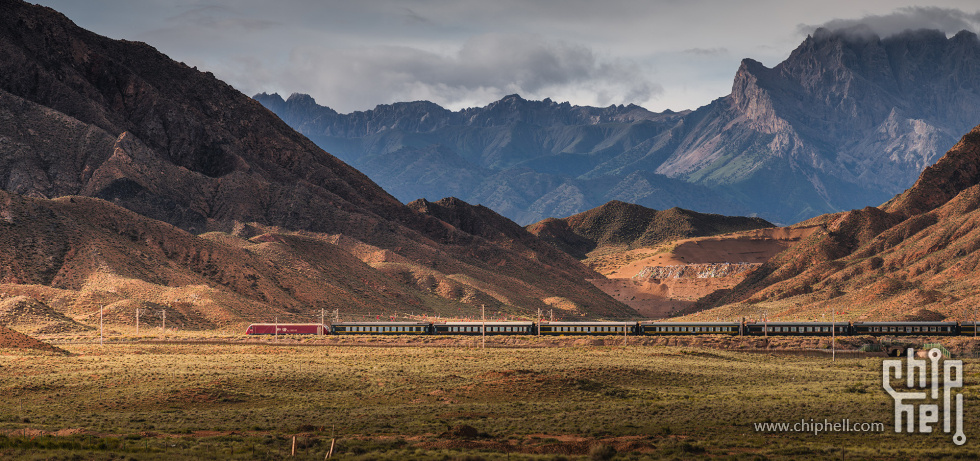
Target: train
x: 630, y: 328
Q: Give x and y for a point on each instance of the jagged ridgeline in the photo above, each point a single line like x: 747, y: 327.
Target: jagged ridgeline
x: 178, y: 191
x: 849, y: 119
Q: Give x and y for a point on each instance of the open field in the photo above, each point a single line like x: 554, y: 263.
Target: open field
x: 132, y: 400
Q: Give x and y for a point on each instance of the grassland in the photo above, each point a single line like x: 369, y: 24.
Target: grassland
x: 248, y: 401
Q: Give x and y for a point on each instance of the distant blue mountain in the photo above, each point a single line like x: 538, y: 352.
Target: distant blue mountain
x: 848, y: 120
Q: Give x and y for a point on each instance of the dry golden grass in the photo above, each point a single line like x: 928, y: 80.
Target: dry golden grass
x: 247, y: 401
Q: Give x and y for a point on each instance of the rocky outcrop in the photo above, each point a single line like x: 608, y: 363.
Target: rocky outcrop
x: 698, y: 271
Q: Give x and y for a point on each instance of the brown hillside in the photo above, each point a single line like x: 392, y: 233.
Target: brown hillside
x: 11, y: 339
x: 119, y: 121
x: 34, y: 317
x: 666, y: 280
x: 915, y: 256
x: 617, y: 225
x: 100, y: 255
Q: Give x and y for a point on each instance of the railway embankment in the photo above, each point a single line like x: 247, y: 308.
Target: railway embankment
x: 849, y: 346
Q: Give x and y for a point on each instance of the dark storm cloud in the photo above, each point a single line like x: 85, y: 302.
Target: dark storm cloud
x: 948, y: 20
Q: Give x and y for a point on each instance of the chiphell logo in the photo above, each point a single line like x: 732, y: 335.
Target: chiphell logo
x: 924, y: 381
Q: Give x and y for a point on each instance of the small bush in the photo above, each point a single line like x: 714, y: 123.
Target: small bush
x: 601, y: 452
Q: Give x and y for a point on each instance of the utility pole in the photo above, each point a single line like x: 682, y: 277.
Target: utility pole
x: 277, y: 328
x: 483, y: 314
x: 101, y: 328
x: 539, y: 321
x: 552, y: 311
x: 320, y: 330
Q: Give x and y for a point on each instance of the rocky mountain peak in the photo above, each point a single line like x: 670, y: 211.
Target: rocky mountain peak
x: 751, y: 96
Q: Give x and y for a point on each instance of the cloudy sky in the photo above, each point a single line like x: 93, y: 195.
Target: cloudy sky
x: 353, y: 55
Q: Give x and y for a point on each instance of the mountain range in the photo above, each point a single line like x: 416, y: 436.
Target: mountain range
x: 847, y: 120
x: 134, y: 181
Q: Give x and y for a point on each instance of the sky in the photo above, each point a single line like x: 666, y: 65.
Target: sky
x: 352, y: 55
